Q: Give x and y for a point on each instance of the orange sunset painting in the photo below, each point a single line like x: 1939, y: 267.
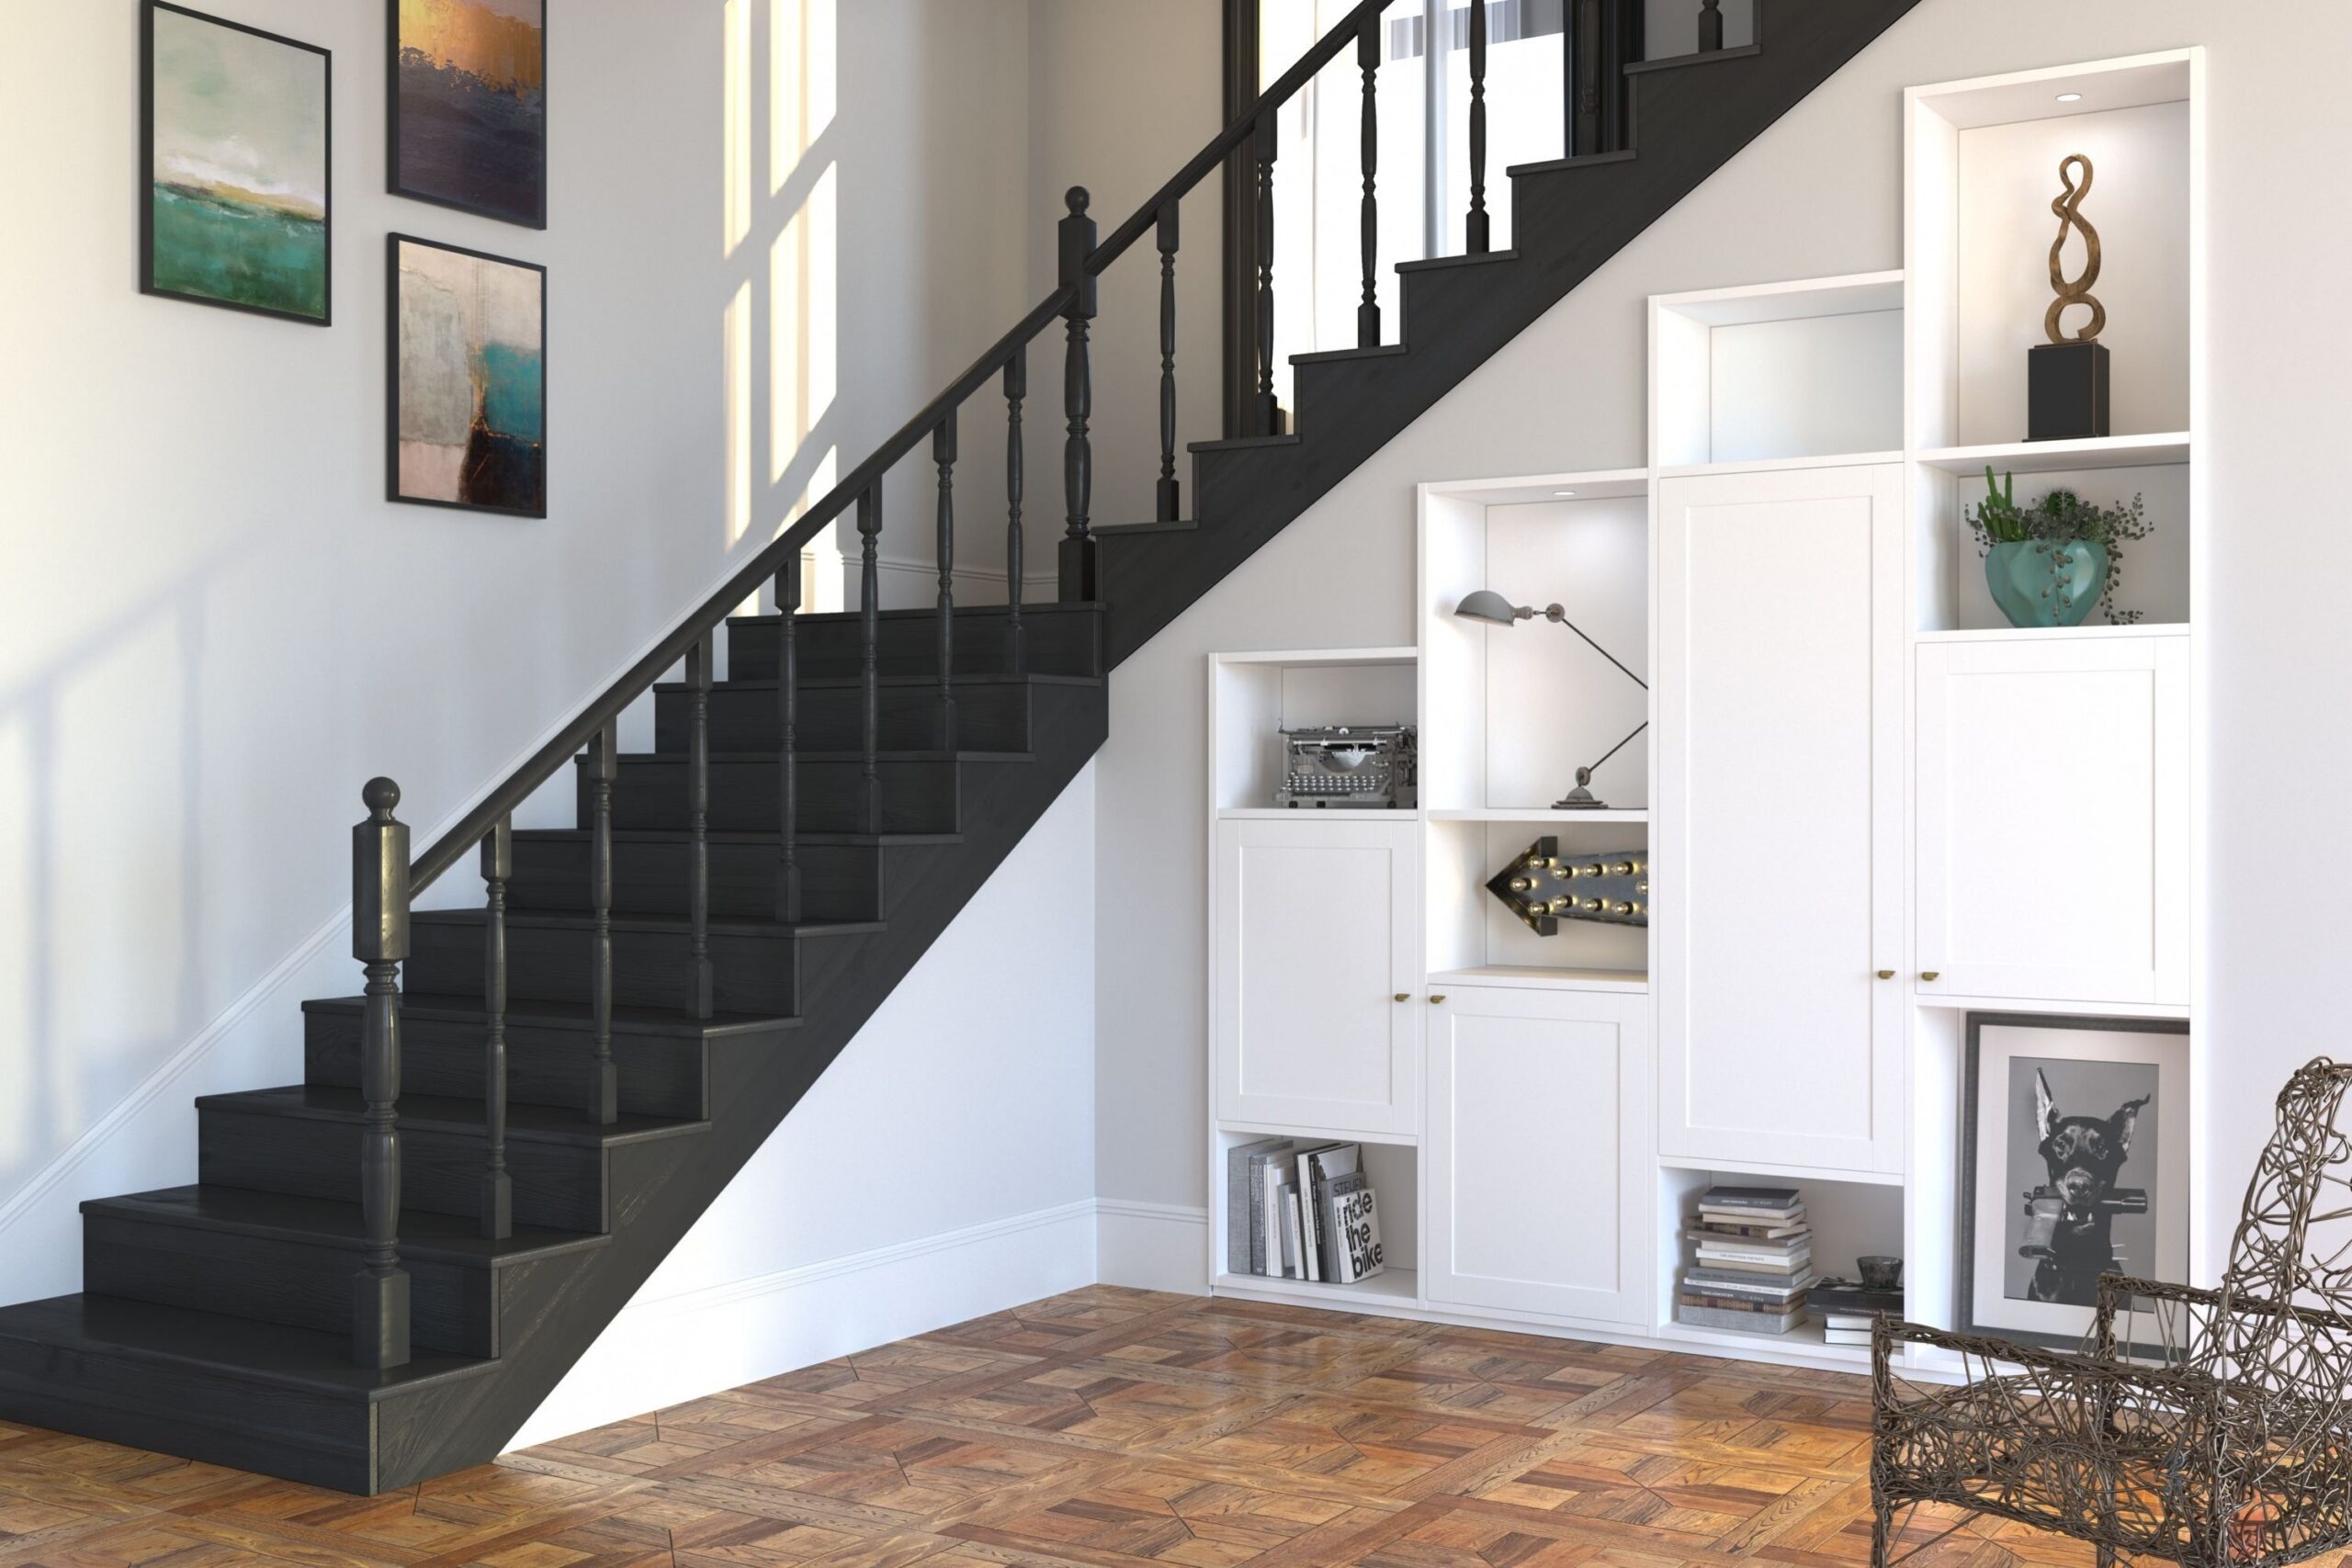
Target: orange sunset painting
x: 470, y: 106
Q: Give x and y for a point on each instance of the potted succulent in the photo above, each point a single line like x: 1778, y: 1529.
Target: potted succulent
x: 2048, y: 563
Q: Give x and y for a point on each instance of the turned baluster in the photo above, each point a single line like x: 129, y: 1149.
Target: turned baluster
x: 604, y: 768
x: 379, y: 939
x: 1368, y: 62
x: 869, y: 589
x: 1077, y: 242
x: 787, y: 715
x: 1016, y: 388
x: 1710, y: 25
x: 1476, y: 231
x: 1581, y: 38
x: 497, y: 1186
x: 943, y: 456
x: 700, y: 989
x: 1170, y: 499
x: 1268, y: 411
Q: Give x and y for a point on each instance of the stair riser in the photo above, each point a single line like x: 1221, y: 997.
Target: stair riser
x: 751, y: 974
x: 558, y: 1185
x: 909, y: 644
x: 272, y: 1279
x: 917, y: 797
x: 838, y: 882
x: 990, y: 718
x: 659, y: 1075
x: 216, y: 1418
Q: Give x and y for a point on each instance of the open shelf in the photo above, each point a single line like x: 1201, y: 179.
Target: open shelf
x: 1253, y: 698
x: 1769, y: 464
x: 2062, y: 456
x: 1393, y: 1287
x: 2154, y: 570
x: 1538, y: 813
x: 1313, y: 813
x: 1780, y: 373
x: 1804, y: 1340
x: 1522, y: 976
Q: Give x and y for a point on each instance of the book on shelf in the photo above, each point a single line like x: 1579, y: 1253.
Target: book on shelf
x: 1352, y: 1224
x: 1244, y: 1252
x: 1318, y: 1166
x: 1769, y: 1267
x: 1730, y: 1281
x: 1271, y: 1171
x: 1846, y: 1336
x: 1746, y: 1247
x: 1750, y: 1230
x: 1737, y: 1321
x: 1751, y: 1200
x: 1294, y: 1265
x: 1706, y: 1298
x: 1844, y: 1296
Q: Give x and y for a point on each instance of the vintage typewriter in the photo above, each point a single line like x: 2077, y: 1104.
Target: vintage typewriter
x: 1359, y: 764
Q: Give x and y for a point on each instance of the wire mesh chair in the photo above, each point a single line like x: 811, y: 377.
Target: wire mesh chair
x: 2226, y: 1440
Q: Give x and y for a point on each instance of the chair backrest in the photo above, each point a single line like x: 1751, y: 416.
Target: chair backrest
x: 2294, y: 1247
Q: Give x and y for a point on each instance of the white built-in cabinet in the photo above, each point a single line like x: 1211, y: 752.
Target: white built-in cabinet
x: 2054, y: 819
x: 1316, y: 978
x: 1778, y: 829
x: 1538, y: 1154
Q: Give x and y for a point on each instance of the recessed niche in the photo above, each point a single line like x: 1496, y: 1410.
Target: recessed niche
x: 1475, y: 939
x: 1778, y: 372
x: 1253, y: 698
x: 1983, y: 171
x: 2155, y: 570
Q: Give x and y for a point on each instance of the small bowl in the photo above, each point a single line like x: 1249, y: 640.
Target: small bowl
x: 1880, y: 1273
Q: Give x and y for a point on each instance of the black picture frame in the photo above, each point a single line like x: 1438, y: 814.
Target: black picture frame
x: 147, y: 283
x: 392, y: 243
x: 392, y: 181
x: 1964, y: 1319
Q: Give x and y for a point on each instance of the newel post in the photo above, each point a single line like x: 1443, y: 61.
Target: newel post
x: 379, y: 1315
x: 1077, y: 396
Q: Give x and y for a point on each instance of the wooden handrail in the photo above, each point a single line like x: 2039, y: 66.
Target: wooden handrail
x: 543, y: 764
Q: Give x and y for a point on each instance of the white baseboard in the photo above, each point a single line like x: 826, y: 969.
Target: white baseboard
x: 663, y: 1351
x: 1151, y: 1246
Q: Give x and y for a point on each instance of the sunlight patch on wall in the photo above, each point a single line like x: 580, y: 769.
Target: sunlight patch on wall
x: 803, y: 60
x: 736, y: 160
x: 739, y: 412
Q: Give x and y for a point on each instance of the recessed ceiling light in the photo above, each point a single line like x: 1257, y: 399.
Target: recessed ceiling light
x: 1564, y: 492
x: 2070, y: 97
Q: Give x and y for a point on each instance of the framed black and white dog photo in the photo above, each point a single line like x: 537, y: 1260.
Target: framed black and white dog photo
x: 2073, y: 1157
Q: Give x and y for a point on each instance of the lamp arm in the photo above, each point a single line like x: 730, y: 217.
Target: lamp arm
x: 1560, y: 616
x: 1589, y: 771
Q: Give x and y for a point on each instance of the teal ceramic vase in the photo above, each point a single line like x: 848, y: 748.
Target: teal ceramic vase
x: 2046, y: 582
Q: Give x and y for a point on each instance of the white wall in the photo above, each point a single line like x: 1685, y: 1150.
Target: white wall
x: 2280, y: 564
x: 775, y: 228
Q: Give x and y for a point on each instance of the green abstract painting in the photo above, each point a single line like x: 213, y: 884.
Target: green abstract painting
x: 237, y: 158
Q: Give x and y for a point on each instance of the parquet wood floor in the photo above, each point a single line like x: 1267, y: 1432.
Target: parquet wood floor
x: 1106, y: 1428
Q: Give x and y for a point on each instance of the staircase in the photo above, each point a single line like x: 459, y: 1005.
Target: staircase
x: 381, y: 1271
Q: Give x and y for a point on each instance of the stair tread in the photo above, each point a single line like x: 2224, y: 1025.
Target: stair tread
x: 541, y: 1013
x: 1242, y: 443
x: 1168, y: 525
x: 736, y: 836
x: 1472, y: 258
x: 927, y: 612
x: 265, y: 1352
x: 454, y: 1237
x: 933, y: 755
x: 1581, y: 161
x: 622, y: 921
x: 420, y: 1113
x: 1336, y: 355
x: 917, y: 681
x: 1701, y: 57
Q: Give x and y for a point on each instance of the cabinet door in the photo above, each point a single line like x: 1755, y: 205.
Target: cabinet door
x: 1315, y: 943
x: 2053, y: 818
x: 1778, y: 835
x: 1539, y: 1157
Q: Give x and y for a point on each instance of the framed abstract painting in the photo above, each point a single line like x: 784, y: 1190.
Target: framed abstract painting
x: 469, y: 98
x: 468, y: 393
x: 235, y: 158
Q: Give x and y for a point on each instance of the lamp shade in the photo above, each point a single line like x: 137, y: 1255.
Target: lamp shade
x: 1486, y: 604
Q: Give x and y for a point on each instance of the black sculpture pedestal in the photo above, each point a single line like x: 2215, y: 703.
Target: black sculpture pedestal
x: 2065, y: 391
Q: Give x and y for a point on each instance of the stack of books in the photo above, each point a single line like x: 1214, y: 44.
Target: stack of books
x: 1846, y: 1309
x: 1301, y: 1212
x: 1752, y: 1261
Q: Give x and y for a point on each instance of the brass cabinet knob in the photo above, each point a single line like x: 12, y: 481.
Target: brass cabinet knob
x: 1437, y: 998
x: 1404, y: 996
x: 1930, y: 974
x: 1887, y: 974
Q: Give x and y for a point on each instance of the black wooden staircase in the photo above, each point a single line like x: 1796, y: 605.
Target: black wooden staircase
x: 380, y: 1272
